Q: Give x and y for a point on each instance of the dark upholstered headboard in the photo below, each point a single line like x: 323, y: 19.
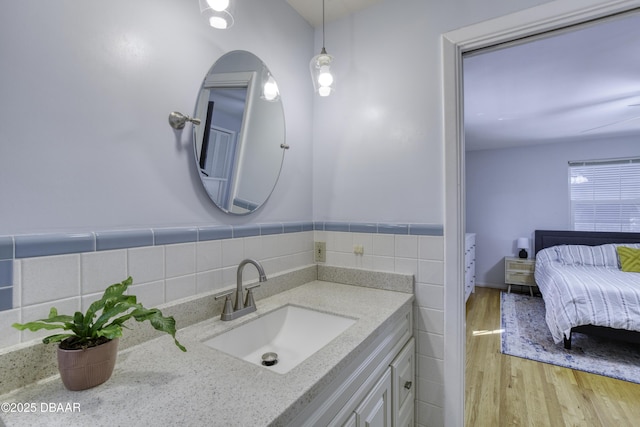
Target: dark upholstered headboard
x: 547, y: 238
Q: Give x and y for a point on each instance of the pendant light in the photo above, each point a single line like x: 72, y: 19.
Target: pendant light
x: 270, y: 91
x: 320, y: 66
x: 218, y: 12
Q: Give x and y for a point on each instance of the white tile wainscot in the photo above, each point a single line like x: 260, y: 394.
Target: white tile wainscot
x: 422, y: 256
x: 280, y: 253
x: 161, y: 274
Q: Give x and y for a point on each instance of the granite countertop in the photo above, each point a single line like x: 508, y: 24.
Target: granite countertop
x: 155, y: 383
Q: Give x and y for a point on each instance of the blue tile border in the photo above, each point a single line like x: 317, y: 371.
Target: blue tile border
x: 109, y: 240
x: 426, y: 229
x: 336, y: 226
x: 381, y: 228
x: 215, y: 233
x: 294, y: 227
x: 6, y: 247
x: 248, y: 230
x: 35, y: 245
x: 393, y: 228
x: 267, y: 229
x: 6, y: 299
x: 363, y: 228
x: 169, y: 236
x: 6, y: 273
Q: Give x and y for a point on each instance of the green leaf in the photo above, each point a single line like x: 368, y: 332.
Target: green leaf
x: 110, y: 296
x: 110, y: 312
x: 54, y: 321
x: 110, y: 331
x: 80, y: 328
x: 56, y: 338
x: 39, y: 324
x: 159, y: 322
x: 116, y: 307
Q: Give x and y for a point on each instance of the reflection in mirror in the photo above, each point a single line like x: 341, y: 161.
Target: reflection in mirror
x: 239, y: 150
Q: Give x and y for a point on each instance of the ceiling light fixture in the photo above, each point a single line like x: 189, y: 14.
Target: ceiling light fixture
x: 218, y: 12
x: 320, y: 66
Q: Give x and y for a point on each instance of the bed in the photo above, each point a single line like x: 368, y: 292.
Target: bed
x: 583, y: 287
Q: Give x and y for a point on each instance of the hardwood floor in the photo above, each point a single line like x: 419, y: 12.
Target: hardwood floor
x: 504, y: 390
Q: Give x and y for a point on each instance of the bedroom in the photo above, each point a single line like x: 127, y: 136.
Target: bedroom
x: 513, y: 190
x: 516, y: 182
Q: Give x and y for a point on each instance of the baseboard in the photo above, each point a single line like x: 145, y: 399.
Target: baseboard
x: 500, y: 286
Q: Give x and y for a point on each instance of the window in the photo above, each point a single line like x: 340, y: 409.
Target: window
x: 605, y: 195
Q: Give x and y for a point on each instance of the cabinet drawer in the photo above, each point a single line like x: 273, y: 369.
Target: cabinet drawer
x: 517, y: 278
x: 523, y: 266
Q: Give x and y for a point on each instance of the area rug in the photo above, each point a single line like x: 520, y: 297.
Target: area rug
x: 525, y: 334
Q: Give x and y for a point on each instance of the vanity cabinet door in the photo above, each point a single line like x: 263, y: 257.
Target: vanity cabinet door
x: 352, y: 421
x: 403, y: 379
x: 375, y: 409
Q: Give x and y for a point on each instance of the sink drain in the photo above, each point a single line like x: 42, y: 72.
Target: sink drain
x: 269, y: 359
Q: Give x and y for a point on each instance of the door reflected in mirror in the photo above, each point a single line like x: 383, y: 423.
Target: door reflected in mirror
x: 239, y: 150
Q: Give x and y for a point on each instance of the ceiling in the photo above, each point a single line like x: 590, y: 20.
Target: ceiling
x: 576, y: 85
x: 311, y: 10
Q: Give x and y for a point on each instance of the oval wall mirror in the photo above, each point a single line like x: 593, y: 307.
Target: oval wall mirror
x: 240, y: 145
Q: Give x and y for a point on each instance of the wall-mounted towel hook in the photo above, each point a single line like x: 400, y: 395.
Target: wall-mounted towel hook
x: 177, y: 120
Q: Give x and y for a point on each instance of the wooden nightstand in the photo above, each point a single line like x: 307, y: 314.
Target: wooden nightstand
x: 519, y: 271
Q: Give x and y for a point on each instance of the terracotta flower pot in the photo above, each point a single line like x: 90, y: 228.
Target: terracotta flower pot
x: 86, y: 368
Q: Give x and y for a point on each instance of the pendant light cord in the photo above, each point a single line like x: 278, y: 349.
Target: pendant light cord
x: 322, y: 24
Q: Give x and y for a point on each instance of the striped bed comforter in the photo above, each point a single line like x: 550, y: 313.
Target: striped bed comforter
x: 583, y: 285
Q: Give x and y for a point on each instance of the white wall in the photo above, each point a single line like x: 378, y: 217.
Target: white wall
x: 512, y: 192
x: 378, y: 153
x: 86, y: 91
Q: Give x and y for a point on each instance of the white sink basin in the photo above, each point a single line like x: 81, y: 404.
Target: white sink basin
x: 293, y: 332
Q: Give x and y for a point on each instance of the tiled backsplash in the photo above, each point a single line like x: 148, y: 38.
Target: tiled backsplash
x: 69, y: 271
x: 408, y: 253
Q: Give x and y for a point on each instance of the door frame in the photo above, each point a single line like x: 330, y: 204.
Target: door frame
x: 537, y: 20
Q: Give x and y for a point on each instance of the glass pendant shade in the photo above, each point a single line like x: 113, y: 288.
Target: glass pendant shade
x: 219, y: 13
x: 218, y: 5
x: 321, y: 75
x: 270, y: 91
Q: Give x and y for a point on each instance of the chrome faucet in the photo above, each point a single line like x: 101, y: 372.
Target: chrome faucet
x: 242, y: 306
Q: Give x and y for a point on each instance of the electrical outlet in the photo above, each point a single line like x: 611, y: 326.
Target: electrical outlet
x: 320, y: 249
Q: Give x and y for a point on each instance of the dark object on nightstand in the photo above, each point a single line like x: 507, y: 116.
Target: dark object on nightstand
x: 523, y: 254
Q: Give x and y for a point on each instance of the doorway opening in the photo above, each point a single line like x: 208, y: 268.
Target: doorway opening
x: 531, y: 22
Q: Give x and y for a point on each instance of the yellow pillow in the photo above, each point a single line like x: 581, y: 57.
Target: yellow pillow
x: 629, y: 259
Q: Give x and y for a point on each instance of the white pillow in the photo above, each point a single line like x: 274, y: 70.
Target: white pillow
x: 595, y: 256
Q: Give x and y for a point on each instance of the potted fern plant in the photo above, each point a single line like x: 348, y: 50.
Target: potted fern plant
x: 87, y: 353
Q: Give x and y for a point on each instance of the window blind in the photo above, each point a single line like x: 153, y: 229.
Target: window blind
x: 605, y: 195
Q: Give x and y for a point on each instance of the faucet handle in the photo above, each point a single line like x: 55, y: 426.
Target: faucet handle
x: 228, y: 308
x: 249, y: 302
